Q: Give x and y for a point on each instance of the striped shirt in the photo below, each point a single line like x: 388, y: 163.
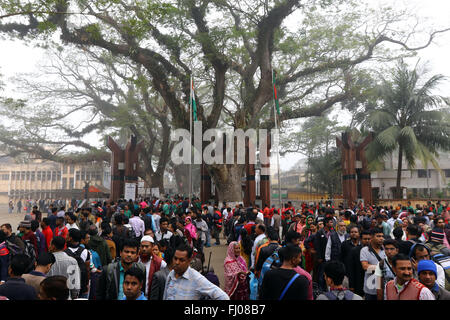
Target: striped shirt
x: 192, y: 285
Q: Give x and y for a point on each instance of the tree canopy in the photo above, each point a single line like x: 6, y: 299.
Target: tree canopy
x: 318, y: 48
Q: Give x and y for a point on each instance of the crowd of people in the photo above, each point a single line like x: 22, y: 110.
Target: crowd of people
x: 153, y: 249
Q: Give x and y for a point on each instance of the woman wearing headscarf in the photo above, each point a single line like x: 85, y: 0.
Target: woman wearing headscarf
x: 236, y: 285
x: 190, y: 231
x: 307, y: 232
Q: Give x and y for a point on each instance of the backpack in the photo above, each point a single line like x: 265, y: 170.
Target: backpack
x: 272, y: 262
x: 218, y: 219
x: 348, y: 295
x: 84, y: 280
x: 28, y: 250
x: 444, y: 262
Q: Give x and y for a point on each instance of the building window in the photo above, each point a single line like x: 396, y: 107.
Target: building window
x: 77, y: 175
x: 13, y: 175
x: 58, y: 175
x: 33, y: 174
x: 54, y: 176
x: 72, y: 169
x: 49, y: 175
x: 22, y: 175
x: 38, y: 176
x: 64, y: 183
x: 5, y: 176
x: 447, y: 173
x: 71, y: 183
x: 422, y: 173
x: 64, y: 169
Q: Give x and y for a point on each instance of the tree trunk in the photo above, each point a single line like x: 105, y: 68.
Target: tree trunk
x: 182, y: 178
x: 398, y: 191
x: 158, y: 182
x: 228, y: 180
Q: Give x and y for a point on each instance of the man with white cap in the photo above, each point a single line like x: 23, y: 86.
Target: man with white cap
x: 151, y: 262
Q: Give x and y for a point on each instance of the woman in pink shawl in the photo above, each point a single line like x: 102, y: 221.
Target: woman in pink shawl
x: 190, y: 231
x: 236, y: 285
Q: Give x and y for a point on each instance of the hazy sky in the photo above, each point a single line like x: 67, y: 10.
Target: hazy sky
x: 16, y: 58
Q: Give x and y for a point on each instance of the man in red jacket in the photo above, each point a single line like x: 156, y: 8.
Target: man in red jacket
x: 47, y: 231
x: 61, y: 230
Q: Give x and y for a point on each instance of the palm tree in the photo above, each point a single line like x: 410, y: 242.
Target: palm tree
x: 410, y: 118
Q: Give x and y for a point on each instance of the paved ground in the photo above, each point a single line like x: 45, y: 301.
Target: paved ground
x: 217, y: 256
x: 13, y: 218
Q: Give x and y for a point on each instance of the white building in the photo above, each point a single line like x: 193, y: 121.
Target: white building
x: 415, y: 182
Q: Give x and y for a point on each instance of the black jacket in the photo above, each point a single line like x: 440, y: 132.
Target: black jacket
x: 320, y: 243
x: 355, y: 272
x: 158, y: 284
x: 17, y: 289
x: 264, y: 254
x: 346, y: 248
x: 108, y: 284
x: 336, y: 245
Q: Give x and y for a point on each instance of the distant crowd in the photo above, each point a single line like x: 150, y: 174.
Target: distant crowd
x: 153, y: 249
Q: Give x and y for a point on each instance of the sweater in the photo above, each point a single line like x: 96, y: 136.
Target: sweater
x: 99, y: 245
x: 17, y: 289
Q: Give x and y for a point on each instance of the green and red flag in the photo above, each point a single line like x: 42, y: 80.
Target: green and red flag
x: 192, y: 101
x: 275, y: 95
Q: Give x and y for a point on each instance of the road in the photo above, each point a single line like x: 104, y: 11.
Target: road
x: 217, y: 257
x: 13, y: 218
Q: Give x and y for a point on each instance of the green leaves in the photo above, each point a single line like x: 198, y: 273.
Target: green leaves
x: 406, y: 118
x: 388, y: 138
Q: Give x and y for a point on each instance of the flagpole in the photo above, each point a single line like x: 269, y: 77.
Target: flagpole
x: 278, y: 147
x: 190, y: 144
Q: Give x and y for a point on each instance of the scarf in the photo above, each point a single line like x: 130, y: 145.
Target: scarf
x: 307, y: 224
x: 145, y: 257
x: 233, y: 265
x: 190, y: 228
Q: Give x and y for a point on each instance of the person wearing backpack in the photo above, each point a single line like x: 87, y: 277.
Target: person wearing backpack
x: 4, y: 258
x: 285, y: 283
x: 217, y: 226
x: 334, y: 273
x: 420, y: 252
x: 83, y: 258
x: 29, y: 239
x: 384, y: 270
x: 65, y: 265
x: 40, y: 237
x: 99, y: 245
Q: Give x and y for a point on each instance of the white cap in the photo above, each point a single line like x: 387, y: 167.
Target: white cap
x: 147, y: 238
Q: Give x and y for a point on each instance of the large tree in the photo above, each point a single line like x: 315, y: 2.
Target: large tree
x: 231, y: 48
x: 315, y: 140
x: 410, y: 118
